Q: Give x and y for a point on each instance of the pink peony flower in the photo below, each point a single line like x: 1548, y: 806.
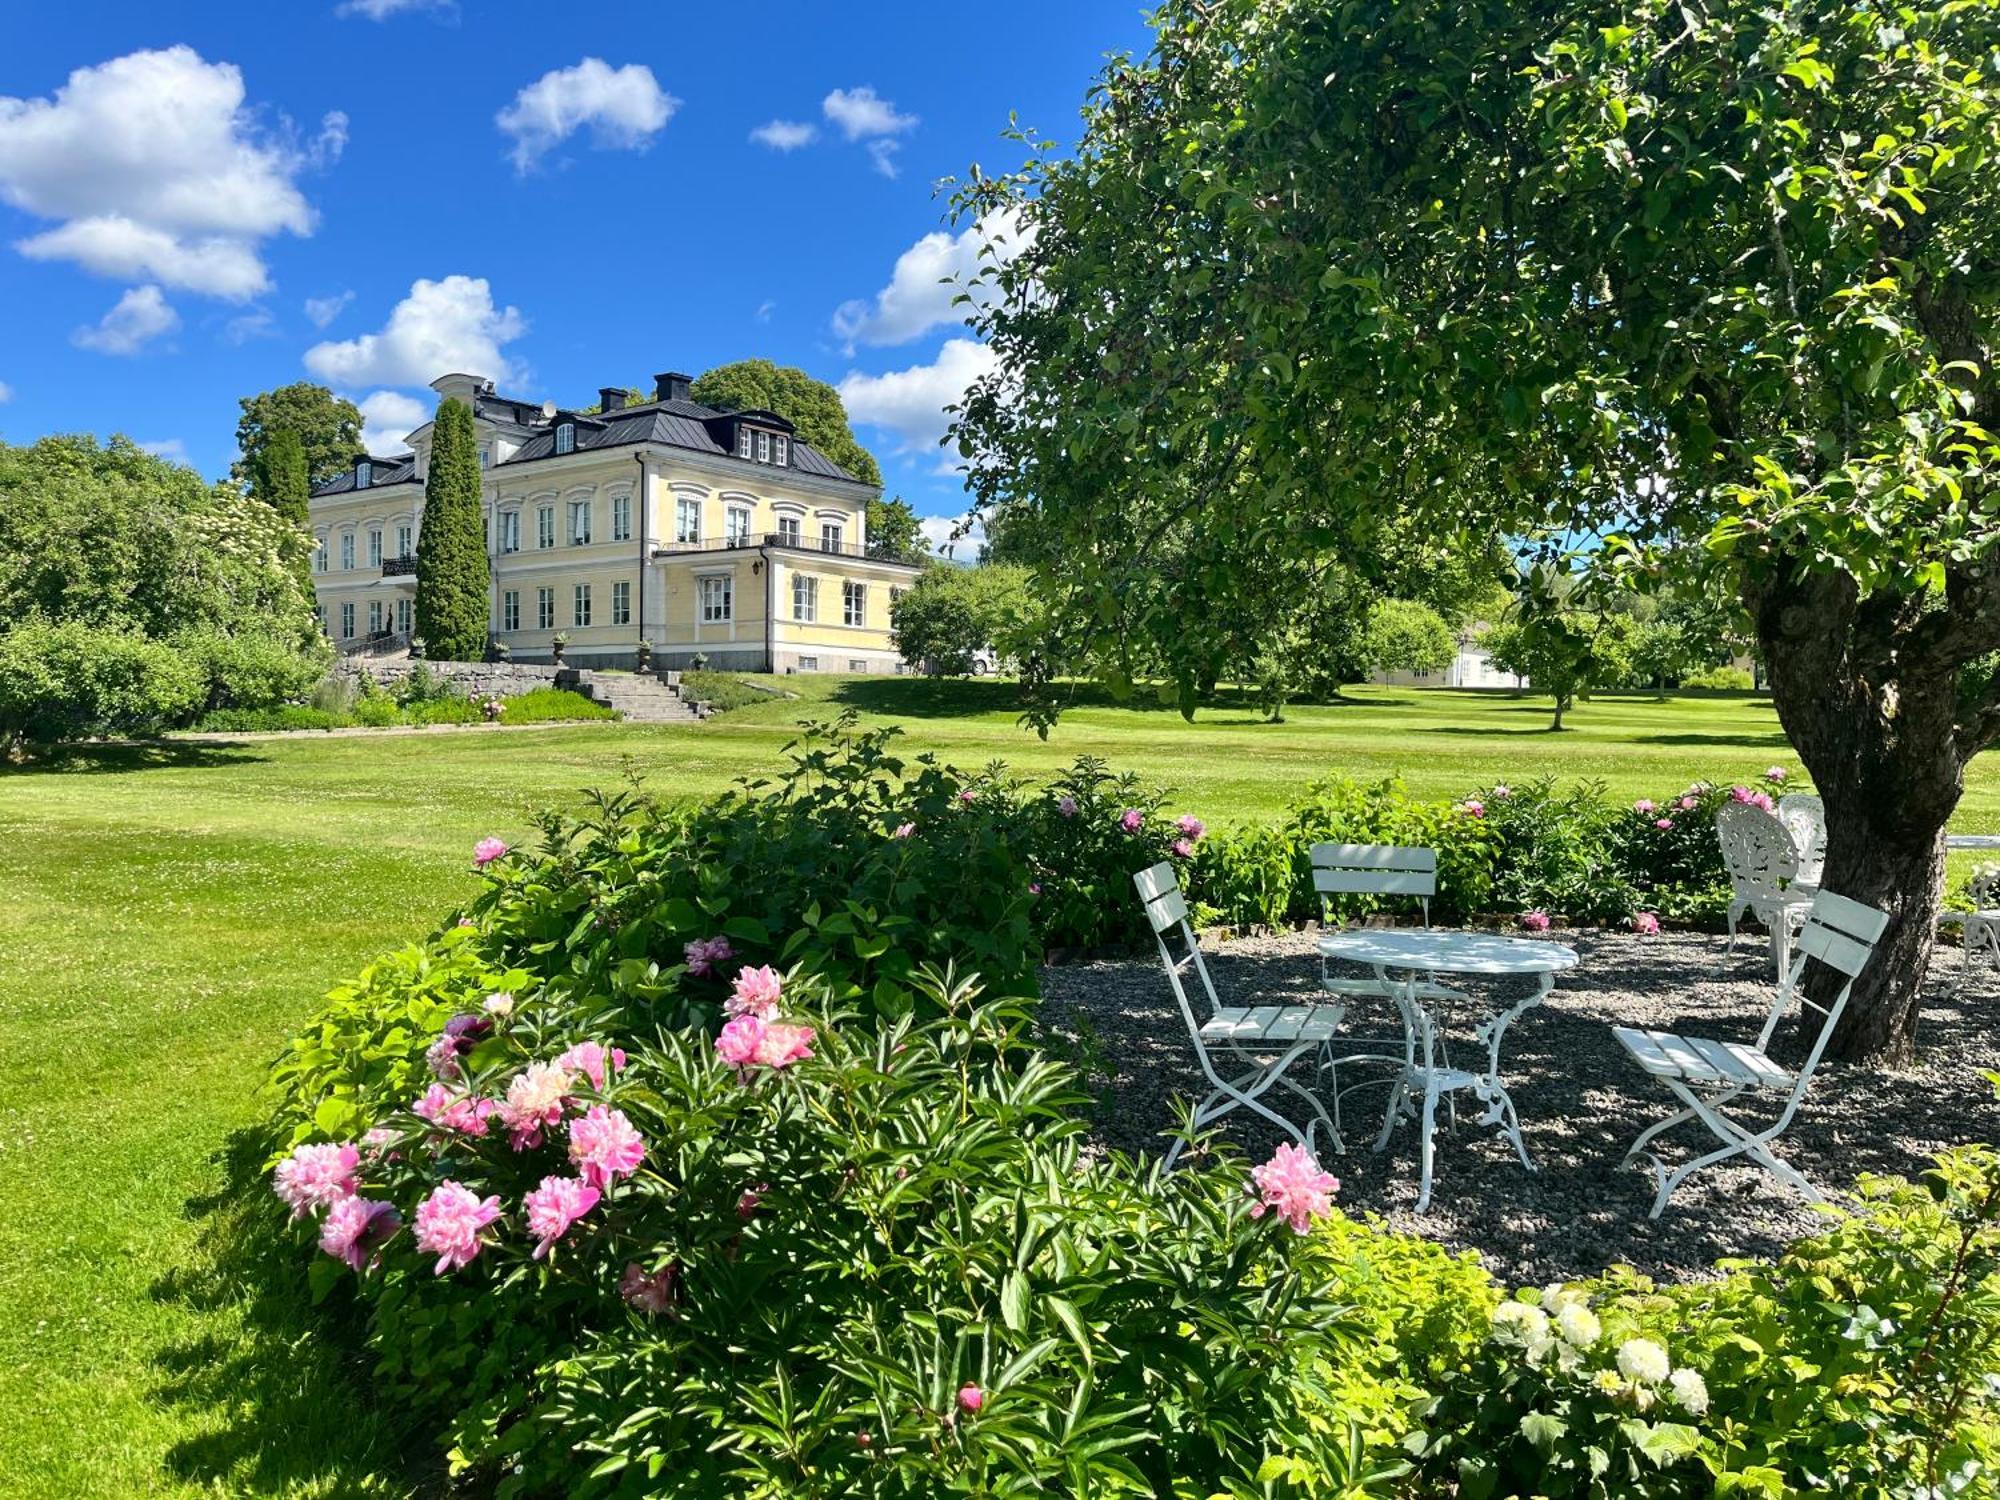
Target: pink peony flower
x: 1501, y: 791
x: 1663, y: 824
x: 356, y: 1228
x: 1292, y: 1184
x: 558, y: 1203
x: 1191, y: 827
x: 453, y: 1111
x: 1535, y: 921
x: 971, y: 1397
x: 1067, y: 807
x: 649, y: 1291
x: 968, y: 795
x: 736, y: 1043
x: 1034, y: 888
x: 1183, y: 849
x: 1645, y: 807
x: 1131, y: 820
x: 1775, y: 775
x: 904, y: 830
x: 1646, y: 923
x: 1689, y: 803
x: 746, y: 1206
x: 486, y: 851
x: 604, y: 1146
x: 442, y: 1060
x: 450, y: 1222
x: 593, y: 1061
x: 757, y: 993
x: 704, y: 954
x: 784, y: 1043
x: 316, y: 1176
x: 1472, y: 807
x: 1754, y: 799
x: 535, y: 1101
x: 466, y: 922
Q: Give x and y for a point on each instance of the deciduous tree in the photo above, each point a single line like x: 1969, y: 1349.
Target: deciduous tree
x: 328, y: 426
x: 811, y: 406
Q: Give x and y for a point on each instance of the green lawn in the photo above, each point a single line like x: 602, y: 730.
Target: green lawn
x: 166, y: 915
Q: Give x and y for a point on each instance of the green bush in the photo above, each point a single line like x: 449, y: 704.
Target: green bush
x: 721, y: 691
x: 1720, y: 680
x: 255, y: 720
x: 552, y: 705
x: 64, y: 681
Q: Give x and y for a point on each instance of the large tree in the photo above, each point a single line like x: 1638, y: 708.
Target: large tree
x: 812, y: 406
x: 328, y: 426
x: 1693, y: 271
x: 895, y: 531
x: 452, y: 585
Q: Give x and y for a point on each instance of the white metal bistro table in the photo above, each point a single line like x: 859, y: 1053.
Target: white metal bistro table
x: 1401, y: 959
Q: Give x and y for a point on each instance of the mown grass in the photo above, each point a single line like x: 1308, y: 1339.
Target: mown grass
x: 168, y: 914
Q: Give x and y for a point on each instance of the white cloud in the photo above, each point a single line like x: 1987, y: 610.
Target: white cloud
x: 6, y: 392
x: 624, y: 109
x: 883, y: 154
x: 139, y: 317
x: 911, y: 403
x: 942, y: 536
x: 765, y: 309
x: 171, y: 448
x: 387, y: 420
x: 785, y: 135
x: 156, y: 169
x: 927, y: 277
x: 323, y: 310
x: 441, y: 327
x: 862, y: 114
x: 381, y: 10
x: 255, y: 324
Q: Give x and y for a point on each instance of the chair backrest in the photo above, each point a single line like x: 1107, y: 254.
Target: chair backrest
x: 1804, y: 817
x: 1841, y: 934
x: 1373, y: 870
x: 1166, y: 911
x: 1756, y: 849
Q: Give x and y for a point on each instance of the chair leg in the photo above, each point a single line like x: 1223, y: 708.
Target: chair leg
x: 1398, y: 1096
x: 1639, y: 1142
x: 1425, y: 1148
x: 1735, y: 916
x: 1318, y: 1109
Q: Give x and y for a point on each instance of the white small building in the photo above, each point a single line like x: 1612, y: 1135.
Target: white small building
x: 1472, y: 667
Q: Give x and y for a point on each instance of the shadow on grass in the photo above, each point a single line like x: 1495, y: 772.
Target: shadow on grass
x: 281, y: 1399
x: 1776, y: 740
x: 966, y: 697
x: 114, y: 758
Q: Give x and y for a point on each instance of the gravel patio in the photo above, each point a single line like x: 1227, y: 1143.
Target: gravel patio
x: 1580, y: 1098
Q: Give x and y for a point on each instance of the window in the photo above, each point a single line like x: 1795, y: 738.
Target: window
x: 319, y: 614
x: 510, y: 531
x: 374, y: 616
x: 403, y: 616
x: 621, y: 602
x: 805, y: 598
x: 742, y: 442
x: 808, y: 663
x: 854, y: 603
x: 347, y: 549
x: 763, y: 447
x: 347, y: 621
x: 687, y: 520
x: 856, y: 664
x: 829, y: 536
x: 545, y: 526
x: 579, y: 613
x: 545, y: 609
x: 485, y: 457
x: 736, y: 524
x: 717, y: 602
x: 566, y: 437
x: 364, y: 474
x: 319, y: 555
x: 621, y: 518
x: 779, y: 449
x: 788, y: 531
x: 405, y: 536
x: 579, y: 523
x: 510, y: 610
x: 374, y: 546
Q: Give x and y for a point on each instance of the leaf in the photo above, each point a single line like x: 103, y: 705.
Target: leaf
x: 1543, y: 1430
x: 1014, y: 1301
x: 1071, y: 1319
x: 1665, y: 1443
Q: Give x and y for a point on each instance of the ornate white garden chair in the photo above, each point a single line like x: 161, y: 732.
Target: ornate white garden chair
x: 1707, y: 1075
x: 1269, y: 1038
x: 1804, y: 817
x: 1978, y: 928
x: 1763, y: 868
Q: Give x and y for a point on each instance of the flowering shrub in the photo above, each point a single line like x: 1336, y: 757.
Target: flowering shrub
x: 876, y: 1265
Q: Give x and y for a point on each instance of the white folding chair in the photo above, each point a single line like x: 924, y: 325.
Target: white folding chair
x: 1270, y: 1038
x: 1804, y: 817
x: 1977, y: 930
x: 1706, y: 1075
x: 1763, y: 867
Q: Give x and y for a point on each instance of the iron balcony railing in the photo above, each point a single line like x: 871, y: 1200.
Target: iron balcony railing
x: 749, y: 543
x: 398, y: 567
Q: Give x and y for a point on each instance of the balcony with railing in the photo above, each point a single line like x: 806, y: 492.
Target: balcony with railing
x: 789, y: 541
x: 399, y: 567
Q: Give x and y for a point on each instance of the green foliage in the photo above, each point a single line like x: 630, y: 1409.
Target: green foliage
x: 812, y: 407
x: 250, y: 670
x: 721, y: 691
x: 282, y: 480
x: 65, y: 681
x: 452, y: 581
x: 381, y: 710
x: 895, y: 532
x: 1564, y: 653
x: 552, y: 705
x: 952, y: 613
x: 1405, y: 636
x: 1720, y: 680
x: 327, y: 426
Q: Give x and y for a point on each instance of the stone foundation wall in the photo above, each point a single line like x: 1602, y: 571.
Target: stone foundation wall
x: 477, y: 679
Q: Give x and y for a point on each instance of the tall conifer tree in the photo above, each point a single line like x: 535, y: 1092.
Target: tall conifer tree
x: 452, y: 608
x: 281, y: 482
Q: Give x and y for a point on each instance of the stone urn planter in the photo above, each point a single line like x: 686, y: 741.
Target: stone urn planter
x: 557, y: 646
x: 645, y: 656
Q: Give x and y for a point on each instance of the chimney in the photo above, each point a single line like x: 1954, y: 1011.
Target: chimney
x: 611, y: 398
x: 673, y: 386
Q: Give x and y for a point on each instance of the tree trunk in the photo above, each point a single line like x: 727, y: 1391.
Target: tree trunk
x: 1561, y: 704
x: 1875, y: 724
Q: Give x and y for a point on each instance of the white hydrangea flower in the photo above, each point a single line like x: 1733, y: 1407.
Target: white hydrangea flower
x: 499, y: 1004
x: 1642, y: 1397
x: 1578, y: 1325
x: 1690, y: 1389
x: 1520, y: 1323
x: 1643, y: 1360
x: 1558, y: 1294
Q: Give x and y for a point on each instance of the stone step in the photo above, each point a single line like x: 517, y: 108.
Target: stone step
x: 642, y: 700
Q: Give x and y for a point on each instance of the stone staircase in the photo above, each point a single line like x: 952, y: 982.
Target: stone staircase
x: 641, y: 697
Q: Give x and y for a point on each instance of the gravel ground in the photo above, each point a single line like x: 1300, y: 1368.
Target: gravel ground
x: 1581, y: 1101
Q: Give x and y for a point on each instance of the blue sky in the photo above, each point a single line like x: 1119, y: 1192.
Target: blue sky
x: 203, y: 200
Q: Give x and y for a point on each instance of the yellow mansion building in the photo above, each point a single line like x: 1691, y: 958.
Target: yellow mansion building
x: 703, y: 531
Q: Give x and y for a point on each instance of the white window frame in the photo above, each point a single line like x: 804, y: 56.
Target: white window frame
x: 831, y: 533
x: 565, y: 438
x: 485, y: 457
x: 687, y: 518
x: 621, y: 518
x: 406, y: 539
x: 736, y: 525
x: 403, y: 615
x: 510, y: 609
x: 743, y: 442
x: 781, y: 450
x: 805, y: 599
x: 320, y: 551
x: 347, y: 620
x: 853, y: 602
x: 579, y: 523
x: 374, y: 616
x: 579, y: 606
x: 545, y: 527
x: 510, y: 531
x: 718, y: 599
x: 763, y: 447
x: 545, y: 607
x: 374, y: 546
x: 364, y: 474
x: 621, y: 601
x: 791, y: 531
x: 346, y: 551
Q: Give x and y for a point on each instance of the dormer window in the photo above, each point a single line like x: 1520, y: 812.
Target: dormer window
x: 566, y: 437
x: 364, y: 474
x: 780, y: 447
x: 763, y: 447
x: 742, y: 442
